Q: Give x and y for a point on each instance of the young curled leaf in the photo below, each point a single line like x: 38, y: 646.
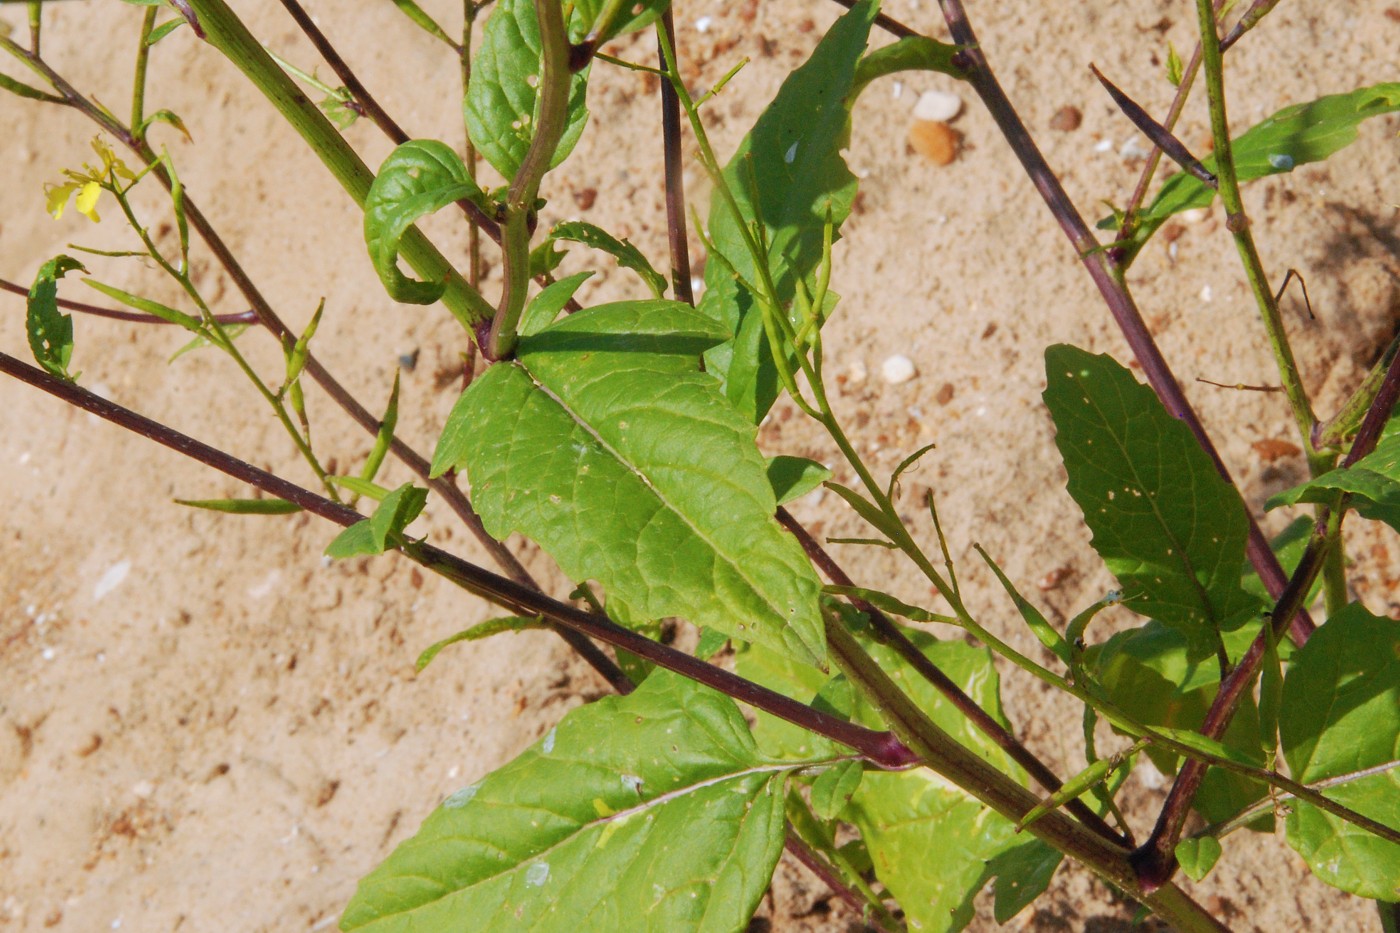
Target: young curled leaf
x: 51, y: 331
x: 418, y: 178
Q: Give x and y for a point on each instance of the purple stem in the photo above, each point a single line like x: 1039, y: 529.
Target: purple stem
x: 882, y: 748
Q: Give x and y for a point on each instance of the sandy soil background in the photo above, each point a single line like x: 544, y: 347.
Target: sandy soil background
x: 205, y: 726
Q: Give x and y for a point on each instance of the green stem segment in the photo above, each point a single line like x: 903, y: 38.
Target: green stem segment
x: 942, y: 753
x: 222, y: 29
x: 553, y: 117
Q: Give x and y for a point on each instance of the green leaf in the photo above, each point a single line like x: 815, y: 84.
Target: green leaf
x: 710, y: 644
x: 361, y: 487
x: 1198, y: 855
x: 912, y: 53
x: 502, y: 102
x: 154, y: 308
x: 832, y: 789
x: 384, y: 437
x: 545, y: 307
x: 605, y: 443
x: 650, y: 812
x: 423, y: 21
x: 418, y: 178
x: 1153, y: 675
x: 1165, y: 523
x: 25, y: 90
x: 788, y: 175
x: 1174, y: 72
x: 231, y: 331
x: 382, y: 529
x: 1293, y: 136
x: 1373, y: 482
x: 794, y: 477
x: 1340, y: 715
x: 887, y: 603
x: 930, y: 843
x: 477, y: 633
x: 634, y: 15
x: 627, y: 255
x: 1021, y: 875
x: 243, y: 506
x: 51, y: 331
x: 164, y: 29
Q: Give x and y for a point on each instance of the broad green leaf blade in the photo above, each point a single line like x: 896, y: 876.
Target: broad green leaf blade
x: 651, y: 812
x: 477, y: 633
x: 1373, y: 481
x: 1165, y: 523
x: 1293, y: 136
x: 794, y: 477
x: 502, y: 102
x: 418, y: 178
x: 243, y: 506
x: 50, y: 330
x: 605, y: 443
x: 627, y: 255
x: 789, y: 175
x: 545, y: 307
x: 1340, y: 715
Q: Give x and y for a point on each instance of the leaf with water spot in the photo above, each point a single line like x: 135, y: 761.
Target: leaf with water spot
x: 650, y: 812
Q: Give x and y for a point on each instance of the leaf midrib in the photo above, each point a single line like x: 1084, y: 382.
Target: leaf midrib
x: 636, y: 471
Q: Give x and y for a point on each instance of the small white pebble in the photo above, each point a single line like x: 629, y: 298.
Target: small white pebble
x: 856, y: 373
x: 1206, y: 293
x: 143, y: 789
x: 1147, y: 772
x: 1132, y: 151
x: 937, y: 105
x: 1195, y: 215
x: 703, y: 23
x: 898, y: 89
x: 24, y: 458
x: 1103, y: 145
x: 111, y: 579
x: 47, y: 654
x: 897, y: 369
